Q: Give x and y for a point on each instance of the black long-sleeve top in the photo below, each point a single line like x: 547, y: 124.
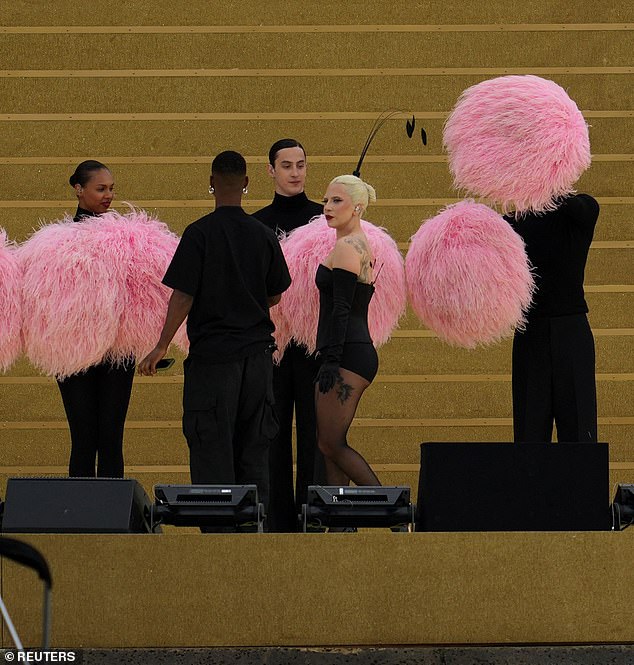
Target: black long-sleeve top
x: 557, y: 245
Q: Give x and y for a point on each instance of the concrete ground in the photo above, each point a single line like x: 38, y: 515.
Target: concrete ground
x: 471, y: 655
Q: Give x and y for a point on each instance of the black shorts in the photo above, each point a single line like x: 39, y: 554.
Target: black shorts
x: 360, y: 358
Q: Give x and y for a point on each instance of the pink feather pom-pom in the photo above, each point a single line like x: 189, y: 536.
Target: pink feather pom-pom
x: 91, y: 290
x: 304, y: 249
x: 468, y: 276
x: 72, y: 293
x: 518, y: 141
x: 10, y: 306
x: 151, y: 247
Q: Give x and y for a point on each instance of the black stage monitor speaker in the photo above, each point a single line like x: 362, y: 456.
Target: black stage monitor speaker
x: 208, y: 506
x: 623, y: 507
x: 342, y: 506
x: 513, y: 487
x: 75, y: 505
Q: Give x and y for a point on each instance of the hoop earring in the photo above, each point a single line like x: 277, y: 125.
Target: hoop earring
x: 245, y: 190
x: 211, y: 190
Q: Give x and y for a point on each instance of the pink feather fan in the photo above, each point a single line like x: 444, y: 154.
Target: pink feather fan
x: 518, y: 141
x: 468, y: 277
x: 151, y: 248
x: 10, y: 306
x: 72, y: 293
x: 304, y: 249
x: 91, y: 290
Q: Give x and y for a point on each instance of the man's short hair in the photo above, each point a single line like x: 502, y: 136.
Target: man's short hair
x: 280, y: 145
x: 230, y: 163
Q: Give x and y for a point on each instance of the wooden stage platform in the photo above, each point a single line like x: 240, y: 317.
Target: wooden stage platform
x: 184, y: 589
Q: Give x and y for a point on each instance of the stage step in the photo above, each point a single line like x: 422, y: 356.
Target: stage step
x: 257, y: 50
x: 415, y: 351
x: 221, y: 94
x: 382, y: 441
x: 255, y: 13
x: 387, y: 397
x: 192, y: 140
x: 392, y: 181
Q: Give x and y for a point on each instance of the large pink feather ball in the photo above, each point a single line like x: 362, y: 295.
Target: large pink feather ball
x: 10, y: 305
x: 91, y: 290
x: 468, y: 276
x: 518, y: 141
x: 151, y: 246
x: 304, y: 249
x: 72, y: 293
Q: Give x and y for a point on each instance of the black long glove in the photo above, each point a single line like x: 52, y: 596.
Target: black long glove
x: 344, y: 284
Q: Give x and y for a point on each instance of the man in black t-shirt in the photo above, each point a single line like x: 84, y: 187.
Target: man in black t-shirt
x: 227, y: 271
x: 293, y: 379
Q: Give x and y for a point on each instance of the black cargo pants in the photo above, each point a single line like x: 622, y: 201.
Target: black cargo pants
x: 229, y: 421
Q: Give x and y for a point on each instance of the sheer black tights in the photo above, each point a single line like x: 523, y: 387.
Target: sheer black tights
x: 334, y: 411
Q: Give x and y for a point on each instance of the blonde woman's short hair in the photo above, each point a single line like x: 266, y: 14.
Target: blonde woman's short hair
x: 360, y: 192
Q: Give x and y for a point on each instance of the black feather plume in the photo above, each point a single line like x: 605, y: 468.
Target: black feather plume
x: 378, y: 123
x: 410, y: 125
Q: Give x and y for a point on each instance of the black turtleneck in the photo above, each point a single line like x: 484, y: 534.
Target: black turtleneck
x: 288, y: 212
x: 81, y: 212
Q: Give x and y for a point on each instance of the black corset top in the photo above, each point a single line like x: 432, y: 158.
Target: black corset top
x: 357, y: 326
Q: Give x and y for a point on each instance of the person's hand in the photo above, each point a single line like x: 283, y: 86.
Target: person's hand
x: 327, y: 376
x: 147, y: 367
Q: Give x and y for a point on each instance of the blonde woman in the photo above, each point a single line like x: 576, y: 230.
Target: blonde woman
x: 349, y: 359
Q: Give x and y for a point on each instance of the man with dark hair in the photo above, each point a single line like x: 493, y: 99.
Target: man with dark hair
x: 227, y: 271
x: 293, y: 379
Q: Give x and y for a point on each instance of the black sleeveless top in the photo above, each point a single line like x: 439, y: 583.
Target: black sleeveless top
x: 356, y: 329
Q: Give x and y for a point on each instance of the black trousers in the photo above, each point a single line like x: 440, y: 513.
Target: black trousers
x: 229, y: 421
x: 554, y: 381
x: 96, y: 403
x: 293, y: 382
